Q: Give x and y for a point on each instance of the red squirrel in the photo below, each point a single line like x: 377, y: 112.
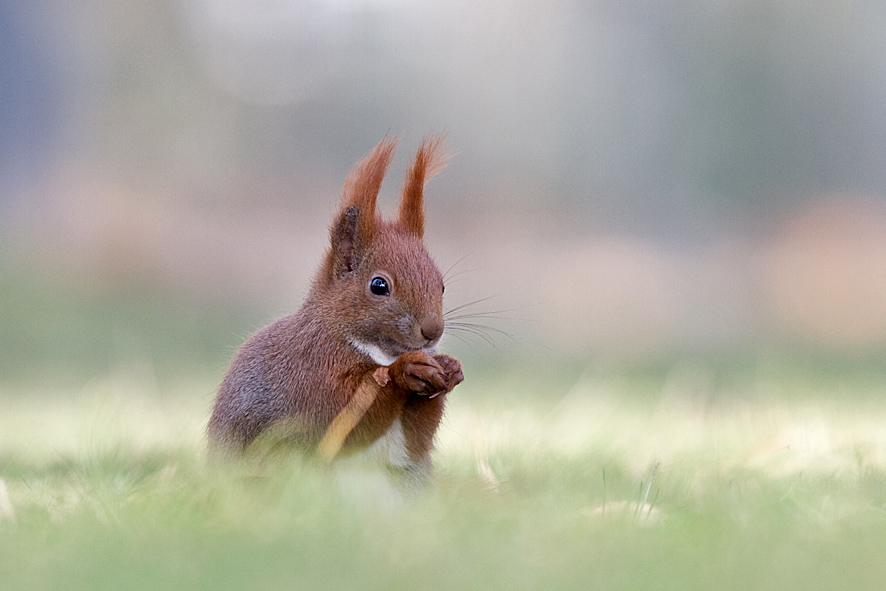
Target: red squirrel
x: 356, y: 365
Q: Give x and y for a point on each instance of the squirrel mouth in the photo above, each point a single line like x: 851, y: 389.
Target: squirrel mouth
x: 395, y: 348
x: 384, y: 350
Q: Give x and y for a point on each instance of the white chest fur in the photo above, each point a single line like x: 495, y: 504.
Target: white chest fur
x: 374, y: 352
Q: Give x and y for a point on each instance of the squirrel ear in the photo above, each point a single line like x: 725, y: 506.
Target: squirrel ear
x: 429, y: 160
x: 345, y: 240
x: 355, y: 225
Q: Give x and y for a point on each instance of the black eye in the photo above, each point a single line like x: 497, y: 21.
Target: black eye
x: 443, y: 289
x: 379, y: 286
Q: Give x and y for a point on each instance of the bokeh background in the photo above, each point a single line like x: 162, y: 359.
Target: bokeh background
x: 631, y: 181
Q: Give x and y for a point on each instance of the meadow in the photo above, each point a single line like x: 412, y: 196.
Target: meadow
x: 595, y: 479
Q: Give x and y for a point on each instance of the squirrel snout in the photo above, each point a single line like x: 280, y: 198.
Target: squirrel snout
x: 431, y: 330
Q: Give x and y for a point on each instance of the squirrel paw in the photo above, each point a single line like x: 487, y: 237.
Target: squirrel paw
x: 418, y: 372
x: 452, y: 369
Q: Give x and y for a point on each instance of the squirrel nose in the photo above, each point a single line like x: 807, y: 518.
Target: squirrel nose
x: 432, y: 329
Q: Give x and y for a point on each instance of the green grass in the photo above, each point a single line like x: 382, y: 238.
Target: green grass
x: 764, y: 480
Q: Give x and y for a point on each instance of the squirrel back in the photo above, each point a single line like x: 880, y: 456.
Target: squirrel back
x: 375, y: 302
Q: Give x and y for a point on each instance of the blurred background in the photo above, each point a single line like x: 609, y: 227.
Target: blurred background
x: 634, y: 181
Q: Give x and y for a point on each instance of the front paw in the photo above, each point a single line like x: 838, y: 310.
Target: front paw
x: 419, y: 372
x: 452, y: 369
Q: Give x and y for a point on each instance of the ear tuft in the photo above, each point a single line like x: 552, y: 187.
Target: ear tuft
x: 355, y: 226
x: 364, y: 182
x: 429, y: 161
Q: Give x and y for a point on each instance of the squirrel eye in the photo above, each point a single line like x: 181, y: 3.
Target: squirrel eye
x: 379, y: 286
x: 443, y: 289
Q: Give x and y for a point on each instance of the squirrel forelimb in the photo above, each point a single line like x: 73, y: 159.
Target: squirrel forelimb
x: 415, y: 372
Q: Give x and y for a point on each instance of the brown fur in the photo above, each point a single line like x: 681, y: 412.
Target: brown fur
x: 302, y: 372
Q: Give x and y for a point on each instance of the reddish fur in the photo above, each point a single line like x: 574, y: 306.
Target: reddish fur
x: 429, y: 161
x: 302, y: 370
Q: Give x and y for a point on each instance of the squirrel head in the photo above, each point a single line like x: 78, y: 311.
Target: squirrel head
x: 378, y: 281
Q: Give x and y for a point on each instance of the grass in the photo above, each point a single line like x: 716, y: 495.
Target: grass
x: 764, y: 479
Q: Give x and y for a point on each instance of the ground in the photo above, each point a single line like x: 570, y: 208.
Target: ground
x: 596, y: 477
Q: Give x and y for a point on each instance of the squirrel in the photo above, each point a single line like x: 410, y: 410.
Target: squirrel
x: 356, y: 366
